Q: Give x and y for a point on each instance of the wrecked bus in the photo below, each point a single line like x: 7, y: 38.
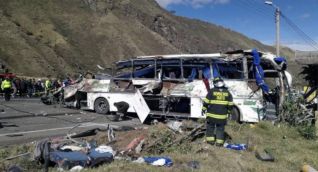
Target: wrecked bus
x: 175, y: 85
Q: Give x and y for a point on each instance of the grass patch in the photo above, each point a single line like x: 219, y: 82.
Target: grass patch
x: 287, y: 145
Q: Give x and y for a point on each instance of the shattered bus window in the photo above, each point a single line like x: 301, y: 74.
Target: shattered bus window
x: 170, y: 69
x: 229, y: 70
x: 144, y: 69
x: 194, y: 69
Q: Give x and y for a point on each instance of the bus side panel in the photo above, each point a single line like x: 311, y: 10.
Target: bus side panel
x: 196, y: 108
x: 137, y: 103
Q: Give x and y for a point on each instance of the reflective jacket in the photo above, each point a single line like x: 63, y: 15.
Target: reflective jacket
x: 5, y: 84
x: 48, y: 84
x: 218, y: 104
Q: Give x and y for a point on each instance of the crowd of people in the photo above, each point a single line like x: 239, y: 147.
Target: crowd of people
x: 22, y: 87
x: 32, y: 87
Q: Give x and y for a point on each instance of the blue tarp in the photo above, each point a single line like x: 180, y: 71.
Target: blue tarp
x: 95, y: 157
x: 282, y: 62
x: 216, y: 72
x: 67, y: 160
x: 159, y: 161
x: 258, y: 71
x: 235, y: 146
x: 280, y: 59
x: 193, y: 75
x: 138, y: 73
x: 206, y: 73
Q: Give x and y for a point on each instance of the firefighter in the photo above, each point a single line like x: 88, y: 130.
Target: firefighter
x: 216, y: 106
x: 6, y: 87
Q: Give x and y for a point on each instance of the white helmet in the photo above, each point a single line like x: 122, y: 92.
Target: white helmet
x: 218, y: 82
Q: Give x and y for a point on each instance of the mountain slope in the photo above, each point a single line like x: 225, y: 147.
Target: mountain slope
x: 58, y: 37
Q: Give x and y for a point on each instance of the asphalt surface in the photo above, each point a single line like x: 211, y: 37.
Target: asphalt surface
x: 27, y: 120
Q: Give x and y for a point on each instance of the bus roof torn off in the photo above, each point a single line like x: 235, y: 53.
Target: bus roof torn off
x: 174, y: 85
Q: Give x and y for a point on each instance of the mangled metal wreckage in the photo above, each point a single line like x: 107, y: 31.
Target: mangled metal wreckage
x: 174, y: 85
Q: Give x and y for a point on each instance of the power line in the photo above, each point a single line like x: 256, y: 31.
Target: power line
x: 259, y: 5
x: 297, y: 27
x: 300, y: 32
x: 254, y: 6
x: 250, y: 8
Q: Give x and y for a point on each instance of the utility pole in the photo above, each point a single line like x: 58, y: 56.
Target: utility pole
x: 277, y: 21
x: 277, y: 14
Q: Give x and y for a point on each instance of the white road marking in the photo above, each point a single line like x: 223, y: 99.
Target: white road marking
x: 54, y: 129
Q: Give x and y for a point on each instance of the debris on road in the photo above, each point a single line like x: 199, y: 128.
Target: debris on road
x: 264, y: 156
x: 76, y: 168
x: 66, y: 154
x: 133, y: 144
x: 194, y: 165
x: 235, y: 146
x: 17, y: 156
x: 15, y: 168
x: 87, y: 133
x: 92, y: 148
x: 71, y: 148
x: 156, y: 161
x: 146, y: 145
x: 308, y: 168
x: 166, y: 138
x: 14, y: 135
x: 175, y: 126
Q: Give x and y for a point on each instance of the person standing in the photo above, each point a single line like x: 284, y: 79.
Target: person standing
x: 48, y: 85
x: 30, y: 88
x: 6, y: 87
x: 216, y: 106
x: 17, y: 83
x: 23, y: 87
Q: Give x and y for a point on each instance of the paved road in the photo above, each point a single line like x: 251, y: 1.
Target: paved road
x: 26, y: 120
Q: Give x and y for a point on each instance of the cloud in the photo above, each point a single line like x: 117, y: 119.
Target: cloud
x: 193, y: 3
x: 305, y: 16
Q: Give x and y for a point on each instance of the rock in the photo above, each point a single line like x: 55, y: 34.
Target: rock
x: 15, y: 168
x: 264, y: 156
x: 76, y: 168
x: 194, y: 164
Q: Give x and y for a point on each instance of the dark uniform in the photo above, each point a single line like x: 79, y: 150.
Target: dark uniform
x: 6, y: 86
x: 217, y: 105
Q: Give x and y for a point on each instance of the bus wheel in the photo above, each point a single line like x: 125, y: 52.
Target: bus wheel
x: 101, y: 106
x: 235, y: 115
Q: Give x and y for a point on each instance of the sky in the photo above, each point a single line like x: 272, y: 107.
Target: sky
x: 255, y: 19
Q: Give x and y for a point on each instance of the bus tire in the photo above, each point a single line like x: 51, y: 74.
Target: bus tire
x: 235, y: 115
x: 101, y: 105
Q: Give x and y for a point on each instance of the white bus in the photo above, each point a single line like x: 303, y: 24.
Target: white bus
x: 174, y: 85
